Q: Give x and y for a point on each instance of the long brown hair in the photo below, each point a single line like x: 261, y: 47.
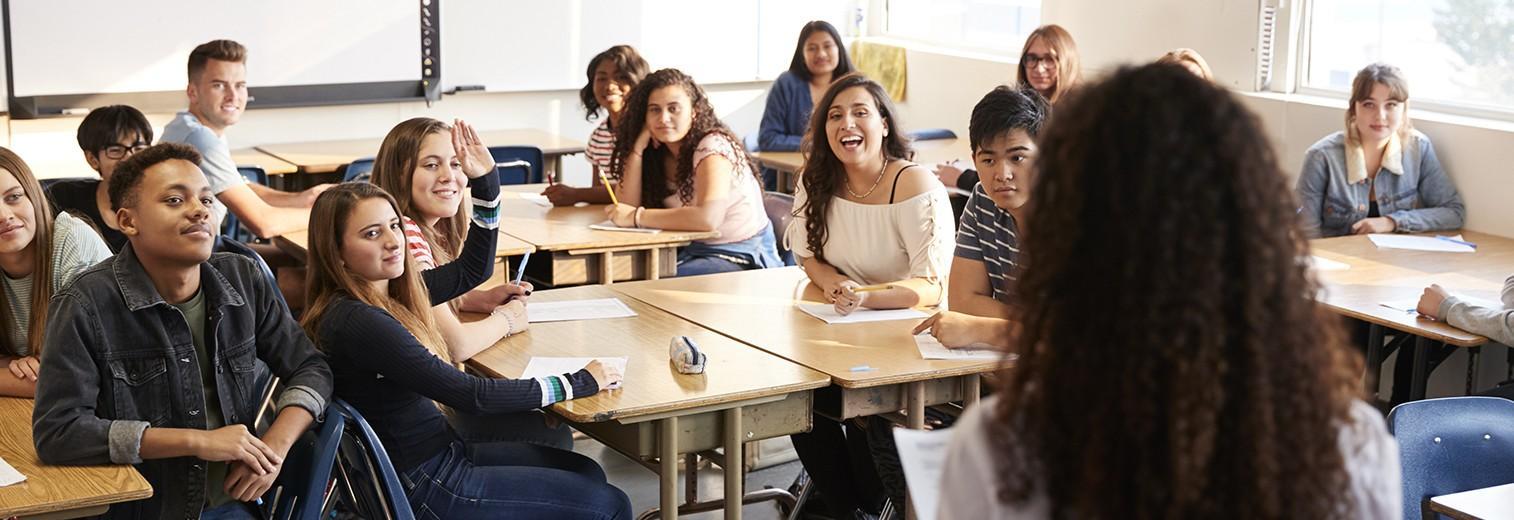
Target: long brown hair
x: 654, y: 181
x: 1361, y: 88
x: 823, y: 174
x: 42, y: 255
x: 407, y: 299
x: 1069, y: 67
x: 1173, y: 362
x: 394, y: 171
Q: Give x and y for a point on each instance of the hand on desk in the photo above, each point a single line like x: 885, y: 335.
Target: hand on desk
x: 604, y: 375
x: 26, y: 368
x: 562, y: 194
x: 1431, y: 300
x: 845, y: 297
x: 515, y: 313
x: 623, y: 215
x: 1373, y: 225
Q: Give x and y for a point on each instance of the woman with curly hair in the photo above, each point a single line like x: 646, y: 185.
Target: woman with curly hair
x: 681, y: 168
x: 1173, y: 363
x: 612, y: 74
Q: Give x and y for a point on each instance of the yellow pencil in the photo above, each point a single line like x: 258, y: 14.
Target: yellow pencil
x: 871, y: 288
x: 606, y: 181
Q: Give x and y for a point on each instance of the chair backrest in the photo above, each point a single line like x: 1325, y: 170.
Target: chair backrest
x: 360, y: 170
x: 930, y: 134
x: 511, y: 172
x: 368, y: 473
x: 780, y: 209
x: 299, y: 493
x: 232, y: 226
x: 1451, y: 445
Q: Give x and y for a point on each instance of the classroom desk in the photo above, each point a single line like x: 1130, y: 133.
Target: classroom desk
x: 330, y: 156
x: 1384, y: 275
x: 296, y: 244
x: 927, y: 153
x: 757, y: 308
x: 580, y: 255
x: 57, y: 491
x: 1491, y: 503
x: 744, y: 395
x: 253, y: 157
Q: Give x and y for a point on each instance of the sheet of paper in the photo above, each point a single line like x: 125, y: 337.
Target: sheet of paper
x: 610, y: 226
x: 1320, y: 263
x: 1408, y: 306
x: 9, y: 475
x: 572, y: 310
x: 827, y: 313
x: 1419, y: 243
x: 922, y: 454
x: 537, y: 198
x: 551, y: 366
x: 931, y: 348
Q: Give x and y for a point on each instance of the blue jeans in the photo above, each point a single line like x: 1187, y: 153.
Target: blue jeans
x: 512, y: 480
x: 230, y: 511
x: 529, y: 427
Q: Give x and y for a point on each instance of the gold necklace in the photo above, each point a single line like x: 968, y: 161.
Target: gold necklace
x: 875, y: 183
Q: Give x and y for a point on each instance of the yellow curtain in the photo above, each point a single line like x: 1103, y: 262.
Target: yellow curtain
x: 884, y: 64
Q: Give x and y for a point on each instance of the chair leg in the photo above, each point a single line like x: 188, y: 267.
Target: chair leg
x: 806, y: 488
x: 1474, y: 356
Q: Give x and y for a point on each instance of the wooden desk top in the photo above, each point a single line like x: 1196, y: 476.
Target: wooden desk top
x: 927, y: 153
x: 253, y: 157
x: 296, y: 245
x: 757, y: 308
x: 567, y: 228
x: 56, y: 488
x: 328, y: 156
x: 1477, y: 504
x: 734, y: 372
x: 1383, y: 275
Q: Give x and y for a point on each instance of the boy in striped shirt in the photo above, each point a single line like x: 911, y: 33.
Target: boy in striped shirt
x: 981, y: 293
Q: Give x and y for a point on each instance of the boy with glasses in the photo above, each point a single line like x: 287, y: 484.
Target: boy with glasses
x: 107, y: 136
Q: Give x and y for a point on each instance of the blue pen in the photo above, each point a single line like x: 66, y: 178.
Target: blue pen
x: 520, y: 271
x: 1455, y: 241
x: 862, y: 368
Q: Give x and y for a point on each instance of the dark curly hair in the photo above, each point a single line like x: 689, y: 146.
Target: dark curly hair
x: 823, y: 174
x: 1173, y: 362
x: 632, y: 68
x: 654, y: 181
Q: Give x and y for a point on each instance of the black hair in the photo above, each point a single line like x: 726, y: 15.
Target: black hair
x: 632, y: 69
x: 1004, y: 109
x: 104, y: 125
x: 123, y: 185
x: 843, y: 62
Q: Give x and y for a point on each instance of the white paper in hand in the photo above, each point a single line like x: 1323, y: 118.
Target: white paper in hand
x: 572, y: 310
x: 827, y: 313
x: 9, y: 475
x: 931, y: 348
x: 610, y: 226
x: 922, y: 455
x: 552, y: 366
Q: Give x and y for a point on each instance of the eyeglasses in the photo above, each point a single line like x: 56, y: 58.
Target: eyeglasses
x: 117, y: 152
x: 1035, y: 60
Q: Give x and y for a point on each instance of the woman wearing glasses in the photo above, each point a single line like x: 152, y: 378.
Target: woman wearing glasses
x: 107, y: 136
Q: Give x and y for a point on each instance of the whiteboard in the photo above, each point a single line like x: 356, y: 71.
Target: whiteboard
x: 519, y: 45
x: 62, y: 47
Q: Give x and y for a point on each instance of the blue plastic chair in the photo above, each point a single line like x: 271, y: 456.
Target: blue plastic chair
x: 232, y: 226
x: 931, y: 134
x: 780, y: 209
x: 367, y: 473
x: 299, y: 493
x: 1452, y: 445
x: 518, y: 164
x: 360, y: 170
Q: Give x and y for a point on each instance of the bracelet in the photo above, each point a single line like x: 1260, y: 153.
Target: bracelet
x: 508, y: 320
x: 636, y: 219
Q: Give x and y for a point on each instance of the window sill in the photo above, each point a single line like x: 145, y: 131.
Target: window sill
x: 1418, y: 114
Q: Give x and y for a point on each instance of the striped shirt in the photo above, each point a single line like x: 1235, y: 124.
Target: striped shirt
x: 415, y: 242
x: 601, y: 145
x: 988, y: 234
x: 76, y: 247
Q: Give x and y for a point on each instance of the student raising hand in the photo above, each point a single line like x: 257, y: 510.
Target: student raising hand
x: 471, y: 151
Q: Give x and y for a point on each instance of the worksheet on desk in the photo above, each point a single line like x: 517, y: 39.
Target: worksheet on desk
x: 931, y: 348
x: 9, y: 475
x: 610, y: 226
x: 550, y: 366
x: 1452, y: 244
x: 827, y: 313
x: 574, y: 310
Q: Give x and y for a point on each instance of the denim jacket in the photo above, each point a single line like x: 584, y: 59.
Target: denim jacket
x: 119, y: 359
x: 1420, y: 198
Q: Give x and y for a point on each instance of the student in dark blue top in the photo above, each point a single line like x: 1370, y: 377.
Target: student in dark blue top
x: 369, y: 311
x: 819, y: 57
x: 108, y: 135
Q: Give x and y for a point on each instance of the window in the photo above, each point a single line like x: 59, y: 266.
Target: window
x: 1455, y: 53
x: 998, y: 26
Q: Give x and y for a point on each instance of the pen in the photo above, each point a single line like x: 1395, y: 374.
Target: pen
x: 520, y: 271
x: 606, y: 181
x: 1455, y: 241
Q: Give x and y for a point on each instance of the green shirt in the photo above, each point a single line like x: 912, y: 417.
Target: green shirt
x: 215, y: 472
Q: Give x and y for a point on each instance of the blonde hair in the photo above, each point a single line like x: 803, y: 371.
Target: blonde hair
x: 42, y: 255
x: 394, y: 171
x: 1183, y: 56
x: 407, y: 299
x: 1069, y: 68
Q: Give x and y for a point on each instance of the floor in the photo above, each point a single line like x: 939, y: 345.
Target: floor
x: 641, y: 484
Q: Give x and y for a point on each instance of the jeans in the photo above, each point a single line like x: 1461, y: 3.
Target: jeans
x: 511, y: 480
x: 230, y: 511
x: 529, y: 427
x: 708, y: 265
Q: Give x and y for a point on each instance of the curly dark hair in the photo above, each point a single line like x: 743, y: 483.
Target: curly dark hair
x: 823, y: 174
x: 654, y: 181
x: 632, y: 68
x: 1173, y: 362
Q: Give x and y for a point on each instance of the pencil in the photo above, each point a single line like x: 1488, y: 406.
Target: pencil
x: 871, y: 288
x: 606, y: 181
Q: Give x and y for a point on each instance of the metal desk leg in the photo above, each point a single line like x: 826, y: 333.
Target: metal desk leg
x: 1421, y: 368
x: 667, y: 454
x: 1375, y: 357
x: 971, y: 388
x: 1474, y: 358
x: 735, y: 464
